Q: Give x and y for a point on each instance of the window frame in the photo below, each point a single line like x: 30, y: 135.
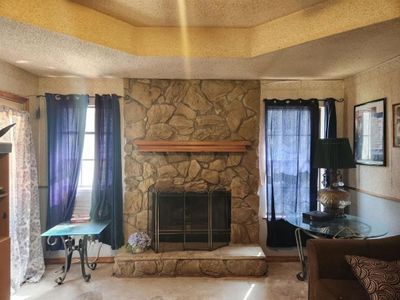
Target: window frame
x: 84, y: 192
x: 91, y: 133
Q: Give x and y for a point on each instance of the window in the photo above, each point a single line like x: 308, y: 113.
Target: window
x: 321, y: 172
x: 85, y: 181
x: 288, y: 143
x: 322, y: 122
x: 288, y: 127
x: 366, y: 135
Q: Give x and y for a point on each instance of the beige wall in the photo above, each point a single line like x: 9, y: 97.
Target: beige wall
x: 65, y: 85
x: 17, y: 81
x: 382, y: 81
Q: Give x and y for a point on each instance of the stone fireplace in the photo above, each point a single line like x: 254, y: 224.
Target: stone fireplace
x: 192, y: 110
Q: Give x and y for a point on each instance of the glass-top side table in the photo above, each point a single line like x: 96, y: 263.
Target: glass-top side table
x: 67, y: 232
x: 347, y: 227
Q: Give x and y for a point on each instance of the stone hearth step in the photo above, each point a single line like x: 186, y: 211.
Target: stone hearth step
x: 232, y: 260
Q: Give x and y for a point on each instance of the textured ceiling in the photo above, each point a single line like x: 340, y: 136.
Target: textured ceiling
x: 316, y: 22
x: 52, y: 54
x: 197, y: 13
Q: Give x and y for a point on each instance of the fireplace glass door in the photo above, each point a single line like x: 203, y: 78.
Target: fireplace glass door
x: 189, y: 220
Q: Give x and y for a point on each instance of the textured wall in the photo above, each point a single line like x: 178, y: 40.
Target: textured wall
x: 192, y: 110
x: 17, y: 81
x: 382, y: 81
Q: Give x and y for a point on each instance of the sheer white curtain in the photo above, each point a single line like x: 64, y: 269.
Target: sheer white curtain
x: 27, y: 262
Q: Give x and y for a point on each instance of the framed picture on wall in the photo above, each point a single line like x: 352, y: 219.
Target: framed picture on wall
x: 396, y: 125
x: 370, y: 133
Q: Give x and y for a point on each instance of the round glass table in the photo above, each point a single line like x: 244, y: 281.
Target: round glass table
x: 346, y: 227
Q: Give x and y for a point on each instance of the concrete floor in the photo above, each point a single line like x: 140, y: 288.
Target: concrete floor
x: 281, y: 283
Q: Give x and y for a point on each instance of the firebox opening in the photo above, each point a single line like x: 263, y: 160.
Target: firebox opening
x: 189, y: 220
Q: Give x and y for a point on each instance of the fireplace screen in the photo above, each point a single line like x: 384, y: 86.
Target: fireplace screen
x: 189, y: 220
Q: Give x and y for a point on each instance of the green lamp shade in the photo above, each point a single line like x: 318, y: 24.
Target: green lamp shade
x: 333, y: 154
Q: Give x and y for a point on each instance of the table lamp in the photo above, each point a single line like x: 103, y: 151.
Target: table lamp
x: 333, y: 155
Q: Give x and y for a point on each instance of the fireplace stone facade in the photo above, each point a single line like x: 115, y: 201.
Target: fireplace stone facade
x: 192, y: 110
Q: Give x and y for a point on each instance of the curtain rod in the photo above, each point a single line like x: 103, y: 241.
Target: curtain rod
x: 37, y: 113
x: 127, y: 98
x: 319, y: 100
x: 43, y: 96
x: 336, y: 100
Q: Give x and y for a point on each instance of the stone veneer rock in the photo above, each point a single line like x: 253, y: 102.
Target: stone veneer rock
x: 190, y: 267
x: 235, y: 260
x: 192, y: 110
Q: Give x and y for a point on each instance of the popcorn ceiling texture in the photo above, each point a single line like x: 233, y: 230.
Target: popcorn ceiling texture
x: 200, y: 13
x: 337, y: 57
x: 192, y: 110
x: 313, y: 23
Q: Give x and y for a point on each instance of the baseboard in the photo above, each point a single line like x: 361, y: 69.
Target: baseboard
x: 61, y: 260
x: 277, y: 258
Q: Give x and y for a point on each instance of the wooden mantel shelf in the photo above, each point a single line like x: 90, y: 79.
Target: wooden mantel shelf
x: 191, y: 146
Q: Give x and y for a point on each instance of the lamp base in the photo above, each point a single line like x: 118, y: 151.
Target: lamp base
x: 334, y: 212
x: 334, y: 200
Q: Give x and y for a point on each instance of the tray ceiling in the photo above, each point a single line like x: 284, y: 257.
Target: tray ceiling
x: 197, y: 13
x: 50, y: 54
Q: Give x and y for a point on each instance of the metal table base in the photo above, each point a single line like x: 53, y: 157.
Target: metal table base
x: 69, y: 247
x: 345, y: 227
x: 67, y: 232
x: 302, y: 275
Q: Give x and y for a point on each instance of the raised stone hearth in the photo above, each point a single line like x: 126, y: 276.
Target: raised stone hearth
x: 233, y: 260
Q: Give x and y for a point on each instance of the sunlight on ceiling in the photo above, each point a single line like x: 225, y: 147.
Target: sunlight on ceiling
x: 184, y: 37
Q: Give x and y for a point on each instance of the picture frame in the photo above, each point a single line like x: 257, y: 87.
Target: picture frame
x: 396, y: 125
x: 370, y: 133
